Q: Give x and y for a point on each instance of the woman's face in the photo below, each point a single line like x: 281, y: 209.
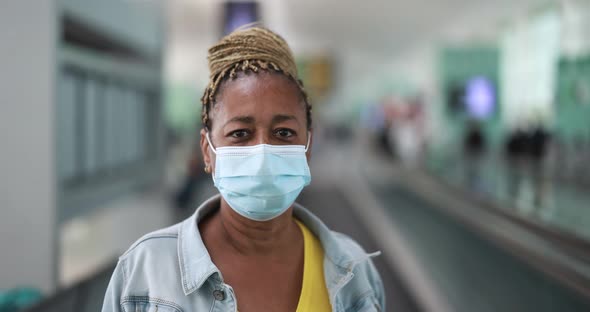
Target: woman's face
x: 262, y: 108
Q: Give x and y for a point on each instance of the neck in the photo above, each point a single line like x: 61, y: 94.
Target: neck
x: 248, y: 237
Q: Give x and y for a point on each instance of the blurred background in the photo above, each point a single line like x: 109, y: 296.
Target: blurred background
x: 452, y: 135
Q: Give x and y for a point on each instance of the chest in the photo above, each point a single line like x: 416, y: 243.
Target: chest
x: 277, y: 285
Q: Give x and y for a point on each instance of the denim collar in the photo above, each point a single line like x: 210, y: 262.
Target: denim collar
x: 196, y: 265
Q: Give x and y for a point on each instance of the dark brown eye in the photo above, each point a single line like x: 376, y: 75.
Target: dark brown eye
x: 239, y: 134
x: 284, y: 133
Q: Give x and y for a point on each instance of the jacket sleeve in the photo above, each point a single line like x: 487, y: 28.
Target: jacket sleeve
x: 112, y: 298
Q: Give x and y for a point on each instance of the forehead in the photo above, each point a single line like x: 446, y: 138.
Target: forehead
x: 258, y: 95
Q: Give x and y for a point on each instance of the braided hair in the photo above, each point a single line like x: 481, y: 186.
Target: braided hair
x: 253, y: 50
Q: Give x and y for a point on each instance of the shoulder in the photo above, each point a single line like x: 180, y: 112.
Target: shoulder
x: 361, y: 261
x: 148, y: 275
x: 366, y: 282
x: 150, y: 268
x: 151, y: 251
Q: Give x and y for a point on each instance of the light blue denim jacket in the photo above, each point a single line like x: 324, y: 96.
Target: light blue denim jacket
x: 171, y: 270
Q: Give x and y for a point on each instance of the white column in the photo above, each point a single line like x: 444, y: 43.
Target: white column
x: 28, y: 32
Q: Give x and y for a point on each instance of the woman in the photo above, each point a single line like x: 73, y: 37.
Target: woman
x: 249, y: 248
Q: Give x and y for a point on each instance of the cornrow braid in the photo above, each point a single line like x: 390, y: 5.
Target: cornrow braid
x: 250, y: 50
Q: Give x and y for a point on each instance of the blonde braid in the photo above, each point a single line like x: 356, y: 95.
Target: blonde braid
x: 254, y: 49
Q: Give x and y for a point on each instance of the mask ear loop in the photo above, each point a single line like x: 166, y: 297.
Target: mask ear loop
x: 308, y: 141
x: 211, y: 145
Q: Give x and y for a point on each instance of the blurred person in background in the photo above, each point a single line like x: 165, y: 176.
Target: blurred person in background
x: 515, y: 148
x: 251, y: 248
x: 407, y: 133
x: 184, y: 196
x: 526, y: 150
x: 538, y: 147
x: 474, y: 148
x: 386, y: 137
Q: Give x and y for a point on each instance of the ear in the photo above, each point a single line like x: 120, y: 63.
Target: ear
x: 308, y: 153
x: 206, y: 150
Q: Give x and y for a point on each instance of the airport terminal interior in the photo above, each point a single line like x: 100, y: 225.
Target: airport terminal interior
x: 453, y: 136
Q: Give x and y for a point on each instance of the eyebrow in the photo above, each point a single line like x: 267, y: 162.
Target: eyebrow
x: 250, y: 120
x: 241, y: 119
x: 280, y: 118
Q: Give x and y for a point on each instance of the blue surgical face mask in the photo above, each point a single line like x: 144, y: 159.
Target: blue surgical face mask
x: 260, y: 182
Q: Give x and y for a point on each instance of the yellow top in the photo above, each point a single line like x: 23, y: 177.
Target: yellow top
x: 314, y: 294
